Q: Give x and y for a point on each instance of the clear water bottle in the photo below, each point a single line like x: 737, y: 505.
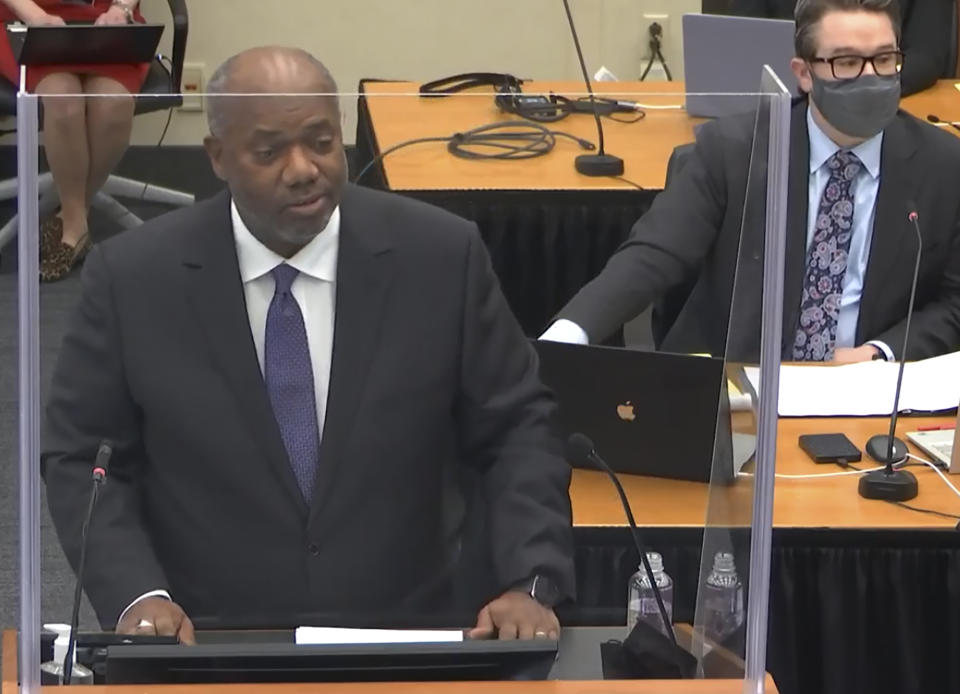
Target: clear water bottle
x: 51, y: 672
x: 642, y: 603
x: 723, y: 599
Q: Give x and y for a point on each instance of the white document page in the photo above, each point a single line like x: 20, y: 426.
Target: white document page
x: 867, y: 388
x: 321, y: 636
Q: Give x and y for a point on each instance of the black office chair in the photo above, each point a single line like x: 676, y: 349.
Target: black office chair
x: 160, y: 81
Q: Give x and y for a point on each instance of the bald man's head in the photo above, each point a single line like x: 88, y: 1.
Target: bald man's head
x: 264, y: 70
x: 279, y: 149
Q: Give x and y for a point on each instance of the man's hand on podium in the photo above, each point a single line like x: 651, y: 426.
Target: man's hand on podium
x: 515, y: 615
x: 157, y: 616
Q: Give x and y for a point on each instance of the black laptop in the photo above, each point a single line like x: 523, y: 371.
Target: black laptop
x: 77, y: 44
x: 648, y: 413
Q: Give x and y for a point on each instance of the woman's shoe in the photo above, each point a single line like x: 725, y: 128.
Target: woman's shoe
x: 51, y: 233
x: 61, y: 259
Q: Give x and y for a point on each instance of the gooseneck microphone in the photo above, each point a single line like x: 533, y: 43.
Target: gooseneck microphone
x: 889, y: 484
x: 601, y: 163
x: 580, y: 450
x: 944, y: 123
x: 100, y: 466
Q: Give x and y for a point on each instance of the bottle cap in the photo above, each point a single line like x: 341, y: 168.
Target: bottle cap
x: 723, y: 561
x: 656, y: 562
x: 63, y: 640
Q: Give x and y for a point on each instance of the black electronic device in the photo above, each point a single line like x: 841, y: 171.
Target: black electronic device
x: 652, y: 413
x: 81, y: 44
x: 829, y: 448
x: 892, y: 484
x: 289, y: 662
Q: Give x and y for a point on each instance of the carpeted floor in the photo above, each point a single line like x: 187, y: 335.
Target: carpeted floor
x: 57, y: 580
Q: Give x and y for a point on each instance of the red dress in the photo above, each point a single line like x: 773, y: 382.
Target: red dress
x: 130, y: 76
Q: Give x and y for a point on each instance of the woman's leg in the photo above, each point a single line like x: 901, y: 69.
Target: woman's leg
x: 68, y: 154
x: 109, y: 121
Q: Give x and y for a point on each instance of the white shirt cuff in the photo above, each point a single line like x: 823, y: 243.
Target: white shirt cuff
x: 566, y: 331
x: 883, y: 347
x: 150, y: 594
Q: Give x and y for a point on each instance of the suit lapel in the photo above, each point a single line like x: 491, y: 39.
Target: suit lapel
x: 365, y: 269
x: 215, y: 293
x: 798, y: 200
x: 888, y: 246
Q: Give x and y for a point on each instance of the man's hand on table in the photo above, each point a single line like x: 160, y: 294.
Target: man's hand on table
x: 852, y: 355
x: 158, y: 617
x: 515, y: 615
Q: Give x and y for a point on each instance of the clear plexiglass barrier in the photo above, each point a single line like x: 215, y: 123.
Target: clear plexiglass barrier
x: 275, y: 336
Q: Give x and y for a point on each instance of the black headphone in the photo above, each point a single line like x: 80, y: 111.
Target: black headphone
x: 445, y: 86
x: 509, y: 96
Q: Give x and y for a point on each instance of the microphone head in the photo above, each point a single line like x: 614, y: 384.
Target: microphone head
x: 912, y: 213
x: 579, y: 449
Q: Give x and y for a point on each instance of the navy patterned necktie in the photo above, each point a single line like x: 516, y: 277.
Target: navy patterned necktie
x: 827, y: 262
x: 289, y: 376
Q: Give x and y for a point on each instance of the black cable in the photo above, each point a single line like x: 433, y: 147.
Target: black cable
x: 629, y: 182
x: 166, y: 126
x: 506, y: 140
x: 663, y: 62
x: 929, y: 511
x: 646, y: 71
x: 656, y: 31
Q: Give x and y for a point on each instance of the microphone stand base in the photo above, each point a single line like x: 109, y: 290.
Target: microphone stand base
x: 887, y: 485
x: 599, y: 165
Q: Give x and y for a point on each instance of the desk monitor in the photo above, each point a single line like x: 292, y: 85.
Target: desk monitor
x: 726, y: 55
x: 648, y: 413
x: 288, y: 662
x: 78, y: 44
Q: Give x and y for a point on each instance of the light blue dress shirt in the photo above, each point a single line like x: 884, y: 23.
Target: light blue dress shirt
x: 865, y: 189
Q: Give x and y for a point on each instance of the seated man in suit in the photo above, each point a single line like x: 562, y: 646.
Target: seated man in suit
x: 858, y: 167
x: 928, y: 30
x: 293, y: 374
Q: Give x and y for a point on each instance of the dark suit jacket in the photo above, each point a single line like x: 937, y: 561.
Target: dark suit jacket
x: 691, y: 234
x: 429, y: 370
x: 928, y: 30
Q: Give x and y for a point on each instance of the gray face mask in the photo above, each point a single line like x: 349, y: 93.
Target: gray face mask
x: 860, y: 107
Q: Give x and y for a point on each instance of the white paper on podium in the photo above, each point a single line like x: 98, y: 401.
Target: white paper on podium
x: 866, y: 389
x: 322, y: 636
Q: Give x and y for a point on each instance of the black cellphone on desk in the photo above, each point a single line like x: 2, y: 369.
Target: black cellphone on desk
x: 829, y: 448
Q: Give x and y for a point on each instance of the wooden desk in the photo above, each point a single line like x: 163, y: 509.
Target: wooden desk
x: 397, y: 114
x: 551, y: 687
x: 831, y: 502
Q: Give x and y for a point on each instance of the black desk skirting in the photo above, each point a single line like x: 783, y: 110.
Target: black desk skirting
x: 850, y: 611
x: 545, y: 244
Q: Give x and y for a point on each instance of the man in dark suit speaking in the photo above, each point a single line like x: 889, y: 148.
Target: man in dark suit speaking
x: 293, y: 376
x: 857, y: 167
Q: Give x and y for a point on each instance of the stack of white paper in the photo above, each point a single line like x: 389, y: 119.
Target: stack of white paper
x: 322, y: 636
x: 866, y: 389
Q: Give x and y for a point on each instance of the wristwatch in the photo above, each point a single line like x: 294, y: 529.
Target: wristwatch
x: 541, y: 589
x: 127, y: 9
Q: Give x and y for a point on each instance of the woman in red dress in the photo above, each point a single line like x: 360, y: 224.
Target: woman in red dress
x: 84, y: 139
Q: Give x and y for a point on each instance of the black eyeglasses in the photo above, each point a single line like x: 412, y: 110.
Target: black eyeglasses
x: 849, y: 67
